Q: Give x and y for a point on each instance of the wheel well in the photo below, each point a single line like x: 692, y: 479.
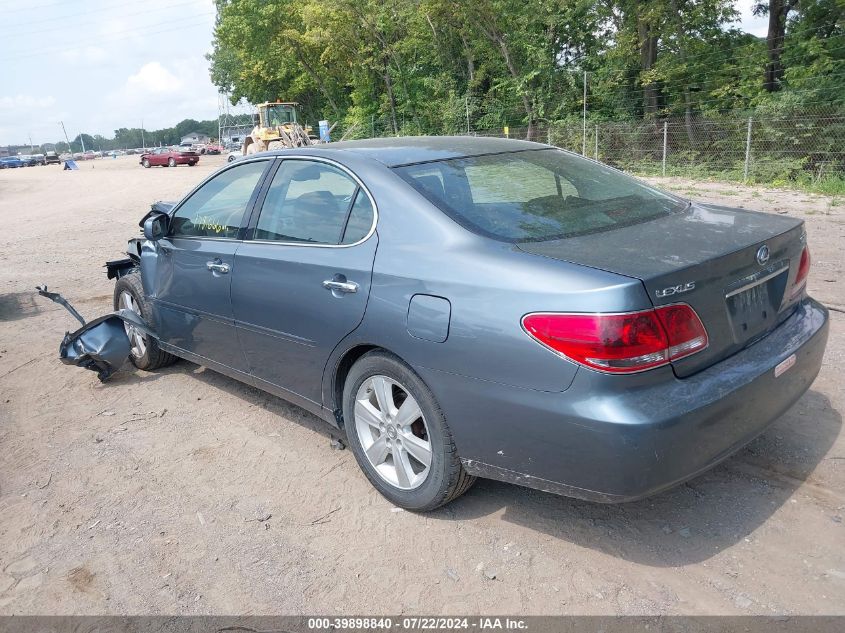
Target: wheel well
x: 342, y: 371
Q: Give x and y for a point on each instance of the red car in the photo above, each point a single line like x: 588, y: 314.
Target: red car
x: 166, y: 157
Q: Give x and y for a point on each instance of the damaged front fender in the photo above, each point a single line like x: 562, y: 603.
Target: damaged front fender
x: 101, y: 345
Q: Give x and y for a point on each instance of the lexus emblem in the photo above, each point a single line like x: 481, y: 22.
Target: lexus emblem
x: 763, y: 255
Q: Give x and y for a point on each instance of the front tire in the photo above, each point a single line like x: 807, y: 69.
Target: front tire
x: 399, y: 435
x: 144, y: 351
x: 171, y: 162
x: 146, y: 164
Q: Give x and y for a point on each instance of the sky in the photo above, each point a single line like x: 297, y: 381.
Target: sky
x: 99, y: 65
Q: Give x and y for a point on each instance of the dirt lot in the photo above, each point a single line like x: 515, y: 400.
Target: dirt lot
x: 151, y: 493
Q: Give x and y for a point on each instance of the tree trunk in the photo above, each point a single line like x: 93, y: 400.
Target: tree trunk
x: 778, y: 10
x: 317, y: 78
x: 470, y: 62
x: 498, y: 39
x: 648, y: 57
x: 391, y: 99
x: 688, y: 116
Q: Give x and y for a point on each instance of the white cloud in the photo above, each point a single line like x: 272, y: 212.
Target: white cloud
x: 750, y: 23
x: 24, y: 103
x: 153, y: 78
x: 162, y: 93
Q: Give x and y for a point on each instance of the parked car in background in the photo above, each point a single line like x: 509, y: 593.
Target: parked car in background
x: 233, y: 155
x: 40, y: 159
x: 28, y: 160
x: 469, y: 307
x: 11, y: 162
x: 214, y: 149
x: 52, y: 158
x: 166, y: 157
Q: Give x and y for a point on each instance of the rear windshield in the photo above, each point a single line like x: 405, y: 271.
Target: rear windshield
x: 536, y: 195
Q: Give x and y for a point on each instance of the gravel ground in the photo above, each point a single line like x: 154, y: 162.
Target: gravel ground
x: 187, y: 492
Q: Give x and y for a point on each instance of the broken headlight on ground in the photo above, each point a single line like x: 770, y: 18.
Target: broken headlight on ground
x: 101, y: 345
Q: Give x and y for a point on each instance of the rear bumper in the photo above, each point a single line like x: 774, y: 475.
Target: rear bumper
x: 621, y: 438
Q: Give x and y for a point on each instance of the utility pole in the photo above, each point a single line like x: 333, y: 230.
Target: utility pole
x: 82, y: 141
x: 69, y: 149
x: 143, y: 144
x: 584, y: 140
x: 31, y: 147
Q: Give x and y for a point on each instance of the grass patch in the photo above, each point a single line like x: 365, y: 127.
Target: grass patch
x: 829, y: 186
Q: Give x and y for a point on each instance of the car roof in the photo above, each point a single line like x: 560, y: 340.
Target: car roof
x: 407, y: 150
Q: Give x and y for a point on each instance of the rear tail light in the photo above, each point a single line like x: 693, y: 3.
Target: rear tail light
x: 800, y: 282
x: 621, y: 343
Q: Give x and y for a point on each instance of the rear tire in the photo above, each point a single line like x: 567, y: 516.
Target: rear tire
x: 171, y: 162
x: 428, y: 487
x: 129, y: 293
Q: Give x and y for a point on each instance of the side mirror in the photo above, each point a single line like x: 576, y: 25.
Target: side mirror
x: 155, y: 227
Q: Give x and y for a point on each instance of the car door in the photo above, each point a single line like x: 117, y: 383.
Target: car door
x: 302, y: 278
x: 191, y: 268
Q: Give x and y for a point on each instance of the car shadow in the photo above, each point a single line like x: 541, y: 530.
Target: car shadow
x: 685, y: 525
x: 20, y: 305
x: 249, y: 394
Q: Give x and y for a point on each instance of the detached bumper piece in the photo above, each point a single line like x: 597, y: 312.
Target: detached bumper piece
x: 101, y: 345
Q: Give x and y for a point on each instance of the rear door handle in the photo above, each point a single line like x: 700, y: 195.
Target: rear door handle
x: 340, y: 286
x: 217, y: 267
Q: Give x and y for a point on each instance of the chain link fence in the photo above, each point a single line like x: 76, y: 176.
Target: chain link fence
x: 795, y: 147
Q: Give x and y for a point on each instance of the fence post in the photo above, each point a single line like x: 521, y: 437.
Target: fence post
x: 597, y: 142
x: 747, y: 150
x: 549, y: 135
x: 584, y: 141
x: 665, y: 136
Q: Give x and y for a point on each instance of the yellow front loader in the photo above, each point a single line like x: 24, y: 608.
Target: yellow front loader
x: 277, y: 128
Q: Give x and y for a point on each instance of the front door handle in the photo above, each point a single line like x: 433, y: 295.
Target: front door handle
x: 217, y: 267
x: 336, y: 285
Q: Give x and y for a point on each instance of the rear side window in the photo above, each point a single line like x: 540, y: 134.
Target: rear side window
x: 360, y: 219
x: 536, y: 195
x: 217, y: 208
x: 315, y: 203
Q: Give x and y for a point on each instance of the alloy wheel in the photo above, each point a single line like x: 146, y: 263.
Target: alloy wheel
x: 136, y: 337
x: 393, y: 432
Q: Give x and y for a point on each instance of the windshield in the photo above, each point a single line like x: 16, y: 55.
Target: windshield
x: 280, y: 115
x: 537, y: 195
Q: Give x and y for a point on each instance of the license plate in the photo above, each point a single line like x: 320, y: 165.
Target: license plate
x: 754, y: 310
x: 784, y: 366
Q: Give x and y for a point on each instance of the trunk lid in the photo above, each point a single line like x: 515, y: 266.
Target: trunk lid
x: 707, y: 257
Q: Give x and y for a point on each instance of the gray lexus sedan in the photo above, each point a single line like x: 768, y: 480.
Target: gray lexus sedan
x: 466, y: 307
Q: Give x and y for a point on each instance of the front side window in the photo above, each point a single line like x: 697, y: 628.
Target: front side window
x: 315, y: 203
x: 217, y: 208
x: 536, y: 195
